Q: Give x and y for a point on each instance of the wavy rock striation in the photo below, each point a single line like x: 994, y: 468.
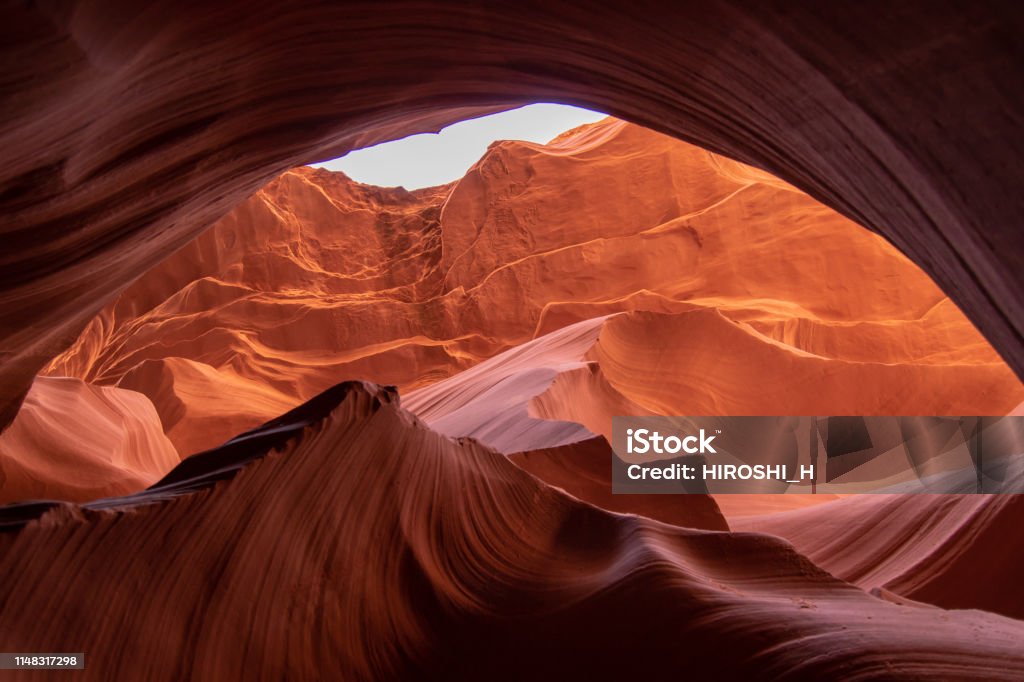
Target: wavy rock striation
x: 346, y: 541
x: 316, y: 279
x: 130, y: 127
x: 76, y: 441
x: 567, y: 385
x: 951, y: 550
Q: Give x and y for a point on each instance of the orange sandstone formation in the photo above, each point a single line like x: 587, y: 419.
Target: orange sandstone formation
x: 77, y: 441
x: 130, y: 127
x: 567, y: 385
x: 345, y: 539
x: 316, y: 279
x: 956, y: 551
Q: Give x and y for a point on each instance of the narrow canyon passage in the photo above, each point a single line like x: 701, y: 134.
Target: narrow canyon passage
x: 262, y: 420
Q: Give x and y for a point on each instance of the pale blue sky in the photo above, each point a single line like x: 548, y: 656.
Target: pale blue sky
x: 436, y: 158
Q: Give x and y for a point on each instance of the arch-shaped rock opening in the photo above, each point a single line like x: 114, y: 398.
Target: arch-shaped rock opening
x: 900, y: 122
x: 745, y: 295
x: 345, y: 539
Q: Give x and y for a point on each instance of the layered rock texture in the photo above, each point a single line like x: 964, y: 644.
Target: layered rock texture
x: 184, y: 306
x: 728, y: 278
x: 122, y: 144
x: 78, y: 441
x: 951, y: 550
x: 352, y: 542
x: 613, y: 271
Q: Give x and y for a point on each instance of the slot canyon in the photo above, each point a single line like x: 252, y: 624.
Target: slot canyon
x: 261, y: 420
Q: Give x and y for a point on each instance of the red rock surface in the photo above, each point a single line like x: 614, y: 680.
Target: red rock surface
x: 581, y: 469
x: 354, y: 543
x: 77, y: 441
x: 317, y: 279
x: 640, y: 363
x: 123, y: 144
x: 957, y: 551
x: 733, y: 279
x: 349, y: 540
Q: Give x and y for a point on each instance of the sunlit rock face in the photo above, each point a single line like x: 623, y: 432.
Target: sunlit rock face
x: 77, y: 441
x: 317, y: 278
x: 466, y: 531
x: 131, y: 127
